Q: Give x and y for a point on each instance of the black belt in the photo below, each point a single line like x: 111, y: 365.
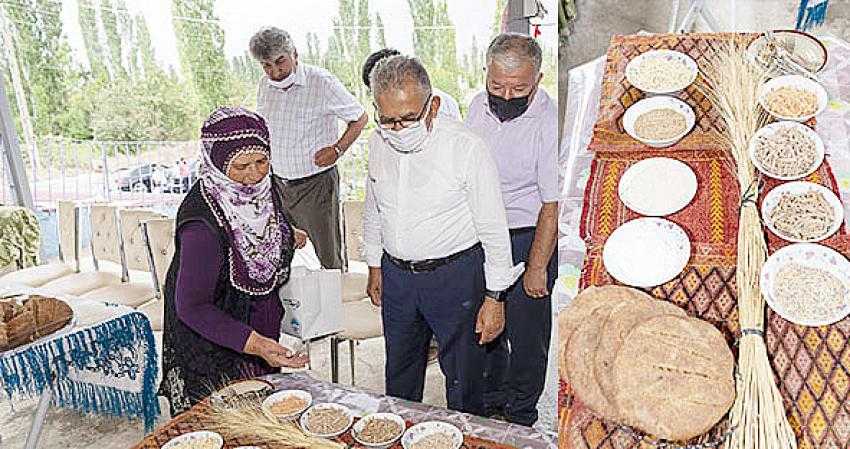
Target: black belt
x: 518, y: 231
x: 296, y: 181
x: 416, y: 266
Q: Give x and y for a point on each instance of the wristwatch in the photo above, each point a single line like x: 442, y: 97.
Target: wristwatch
x: 498, y: 296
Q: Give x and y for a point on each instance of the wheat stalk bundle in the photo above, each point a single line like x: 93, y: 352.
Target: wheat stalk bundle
x: 246, y: 420
x: 731, y: 82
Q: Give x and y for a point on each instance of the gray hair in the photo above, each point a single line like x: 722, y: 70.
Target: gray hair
x: 393, y: 72
x: 512, y: 50
x: 269, y: 43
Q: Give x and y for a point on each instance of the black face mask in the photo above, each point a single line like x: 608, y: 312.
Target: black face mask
x: 507, y: 109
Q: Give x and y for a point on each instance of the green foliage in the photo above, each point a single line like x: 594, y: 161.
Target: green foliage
x: 200, y: 43
x: 434, y: 44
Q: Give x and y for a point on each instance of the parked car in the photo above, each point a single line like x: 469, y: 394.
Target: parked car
x: 145, y: 178
x: 182, y: 183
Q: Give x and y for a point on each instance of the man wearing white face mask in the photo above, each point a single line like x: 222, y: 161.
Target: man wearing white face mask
x: 436, y: 238
x: 302, y: 106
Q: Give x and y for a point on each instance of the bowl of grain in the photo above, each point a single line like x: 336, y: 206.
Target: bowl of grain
x: 326, y: 420
x: 802, y: 211
x: 659, y: 121
x: 661, y: 71
x: 432, y: 435
x: 287, y: 404
x: 793, y: 97
x: 807, y: 284
x: 196, y: 440
x: 378, y: 430
x: 786, y: 150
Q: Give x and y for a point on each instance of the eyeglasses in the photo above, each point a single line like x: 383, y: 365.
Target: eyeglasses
x: 390, y: 123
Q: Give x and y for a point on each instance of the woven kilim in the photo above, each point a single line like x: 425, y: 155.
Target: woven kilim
x: 811, y: 364
x: 196, y: 419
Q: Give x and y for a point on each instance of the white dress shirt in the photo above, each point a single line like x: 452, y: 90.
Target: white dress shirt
x: 303, y: 118
x: 437, y: 202
x: 449, y: 107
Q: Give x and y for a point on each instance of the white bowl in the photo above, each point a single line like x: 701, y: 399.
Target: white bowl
x: 422, y: 430
x: 175, y: 443
x: 359, y: 425
x: 771, y: 200
x: 771, y: 129
x: 796, y: 82
x: 810, y: 255
x: 658, y: 102
x: 646, y: 252
x: 283, y: 394
x: 323, y: 406
x: 687, y: 61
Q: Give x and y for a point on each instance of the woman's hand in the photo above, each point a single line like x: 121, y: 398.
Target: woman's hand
x: 274, y: 353
x: 300, y: 238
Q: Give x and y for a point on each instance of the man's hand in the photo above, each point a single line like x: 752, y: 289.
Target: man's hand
x: 374, y: 287
x: 491, y: 320
x: 300, y: 238
x: 534, y: 282
x: 326, y: 157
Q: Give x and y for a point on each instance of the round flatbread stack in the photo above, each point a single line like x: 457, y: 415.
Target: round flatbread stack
x: 674, y: 377
x: 642, y: 362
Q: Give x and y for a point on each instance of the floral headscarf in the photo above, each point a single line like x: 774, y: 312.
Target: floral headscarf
x: 259, y: 236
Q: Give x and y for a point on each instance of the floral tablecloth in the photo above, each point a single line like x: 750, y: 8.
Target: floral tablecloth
x: 484, y: 433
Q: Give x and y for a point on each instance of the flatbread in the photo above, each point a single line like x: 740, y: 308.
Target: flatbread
x: 581, y: 352
x: 623, y: 318
x: 674, y: 377
x: 587, y: 302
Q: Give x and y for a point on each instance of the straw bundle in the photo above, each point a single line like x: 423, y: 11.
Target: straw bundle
x: 245, y: 420
x: 731, y: 82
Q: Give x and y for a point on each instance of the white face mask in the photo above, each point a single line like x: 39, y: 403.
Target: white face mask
x: 408, y: 140
x: 286, y: 82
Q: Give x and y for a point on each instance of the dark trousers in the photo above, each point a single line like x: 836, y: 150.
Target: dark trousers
x: 516, y: 361
x: 443, y: 303
x: 313, y: 203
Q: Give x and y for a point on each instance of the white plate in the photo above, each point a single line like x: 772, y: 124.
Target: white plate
x: 771, y: 200
x: 322, y: 406
x: 681, y: 58
x: 646, y: 252
x: 283, y: 394
x: 657, y: 186
x: 796, y: 82
x: 186, y: 437
x: 421, y: 430
x: 358, y: 427
x: 810, y: 255
x: 771, y: 129
x: 660, y: 102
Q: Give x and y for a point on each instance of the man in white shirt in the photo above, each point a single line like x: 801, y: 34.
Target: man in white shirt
x: 520, y: 122
x: 436, y: 238
x: 302, y: 105
x: 449, y: 107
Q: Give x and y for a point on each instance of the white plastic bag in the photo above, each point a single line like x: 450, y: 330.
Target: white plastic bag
x: 312, y: 303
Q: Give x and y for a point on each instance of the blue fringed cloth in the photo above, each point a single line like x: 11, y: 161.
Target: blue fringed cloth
x: 106, y: 368
x: 811, y: 13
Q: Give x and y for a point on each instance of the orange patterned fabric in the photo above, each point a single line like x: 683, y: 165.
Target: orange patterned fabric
x: 196, y: 419
x: 811, y: 364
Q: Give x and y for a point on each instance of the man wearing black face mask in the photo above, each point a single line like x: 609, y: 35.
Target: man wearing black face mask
x: 519, y: 121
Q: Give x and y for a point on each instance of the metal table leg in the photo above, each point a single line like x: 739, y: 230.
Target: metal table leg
x: 334, y: 359
x: 38, y: 419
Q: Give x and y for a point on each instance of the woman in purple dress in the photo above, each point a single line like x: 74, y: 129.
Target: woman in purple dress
x: 233, y: 247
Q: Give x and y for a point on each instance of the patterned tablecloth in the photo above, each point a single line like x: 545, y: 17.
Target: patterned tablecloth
x: 811, y: 363
x: 103, y: 362
x: 480, y: 433
x: 20, y: 237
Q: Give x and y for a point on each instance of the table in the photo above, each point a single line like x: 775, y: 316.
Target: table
x: 824, y: 426
x: 19, y: 237
x: 363, y: 402
x: 104, y: 362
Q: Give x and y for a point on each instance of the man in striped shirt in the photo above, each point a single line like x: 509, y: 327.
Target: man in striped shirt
x: 302, y: 106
